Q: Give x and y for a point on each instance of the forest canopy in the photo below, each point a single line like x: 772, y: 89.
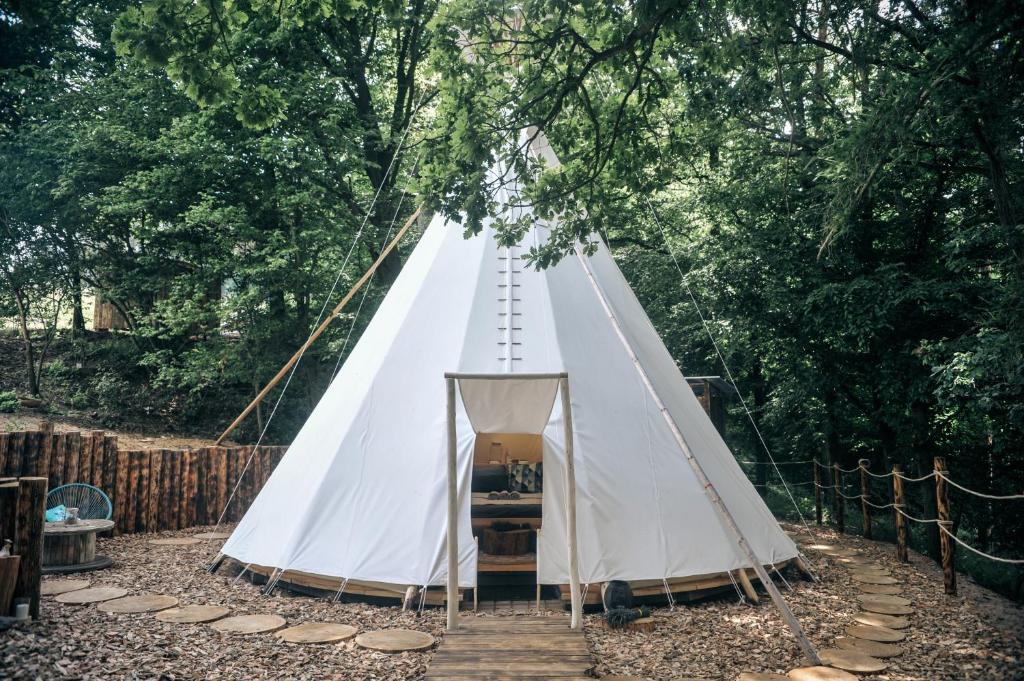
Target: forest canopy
x: 835, y: 185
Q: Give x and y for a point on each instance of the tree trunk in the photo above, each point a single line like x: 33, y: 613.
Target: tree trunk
x: 26, y: 337
x: 77, y: 315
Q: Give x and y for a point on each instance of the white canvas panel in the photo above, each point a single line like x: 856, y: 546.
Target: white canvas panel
x: 508, y: 405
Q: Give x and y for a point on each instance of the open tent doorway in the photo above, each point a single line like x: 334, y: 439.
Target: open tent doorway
x: 521, y: 406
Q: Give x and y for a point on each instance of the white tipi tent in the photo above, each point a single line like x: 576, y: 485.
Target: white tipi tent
x: 361, y: 495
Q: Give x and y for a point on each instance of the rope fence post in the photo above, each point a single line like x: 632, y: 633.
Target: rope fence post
x: 865, y: 491
x: 946, y: 544
x: 901, y: 524
x: 838, y: 506
x: 817, y: 490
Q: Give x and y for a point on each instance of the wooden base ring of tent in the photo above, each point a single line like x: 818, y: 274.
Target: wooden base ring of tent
x: 55, y: 587
x: 820, y: 674
x: 881, y: 589
x: 880, y: 634
x: 875, y: 619
x: 851, y: 660
x: 872, y: 648
x: 96, y: 594
x: 175, y: 541
x: 395, y: 641
x: 249, y: 624
x: 317, y: 632
x: 193, y: 614
x: 136, y: 604
x: 211, y: 535
x: 874, y: 579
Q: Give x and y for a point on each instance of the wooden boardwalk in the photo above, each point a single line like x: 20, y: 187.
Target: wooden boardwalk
x: 516, y: 647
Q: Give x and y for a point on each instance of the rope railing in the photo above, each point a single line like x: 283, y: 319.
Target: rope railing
x: 961, y: 542
x: 995, y: 497
x: 777, y: 463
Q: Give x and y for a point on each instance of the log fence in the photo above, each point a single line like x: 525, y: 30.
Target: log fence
x: 150, y: 490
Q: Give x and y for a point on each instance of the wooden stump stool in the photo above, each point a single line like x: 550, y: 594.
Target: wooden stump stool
x: 72, y: 548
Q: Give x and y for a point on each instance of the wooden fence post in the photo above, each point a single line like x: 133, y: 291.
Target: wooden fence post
x: 8, y: 513
x: 817, y: 490
x: 865, y: 493
x: 946, y: 543
x: 29, y: 542
x: 901, y: 523
x: 837, y: 498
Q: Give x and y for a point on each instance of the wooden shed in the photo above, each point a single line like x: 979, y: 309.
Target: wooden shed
x: 712, y: 392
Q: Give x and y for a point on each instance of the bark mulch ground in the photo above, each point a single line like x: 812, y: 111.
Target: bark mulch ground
x: 973, y: 636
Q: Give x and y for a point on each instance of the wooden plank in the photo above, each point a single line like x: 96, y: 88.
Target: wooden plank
x: 58, y: 460
x: 97, y: 457
x: 121, y: 492
x: 544, y: 647
x: 190, y: 473
x: 29, y: 540
x: 5, y: 440
x: 30, y: 453
x: 108, y: 475
x: 156, y: 460
x: 85, y: 459
x: 139, y: 485
x: 15, y: 452
x: 164, y: 501
x: 72, y: 456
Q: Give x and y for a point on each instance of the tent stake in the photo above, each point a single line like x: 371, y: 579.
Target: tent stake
x: 320, y: 329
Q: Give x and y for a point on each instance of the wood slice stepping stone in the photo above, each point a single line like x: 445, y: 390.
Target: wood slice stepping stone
x: 887, y: 589
x: 176, y: 541
x: 395, y: 640
x: 865, y: 567
x: 193, y: 614
x: 55, y: 587
x: 97, y: 594
x: 761, y: 676
x: 823, y: 547
x: 249, y: 624
x: 821, y: 674
x: 851, y: 660
x: 884, y: 599
x: 874, y: 619
x: 211, y: 535
x: 317, y: 632
x: 872, y: 648
x: 874, y: 579
x: 137, y: 604
x: 880, y: 634
x: 883, y: 609
x: 855, y: 560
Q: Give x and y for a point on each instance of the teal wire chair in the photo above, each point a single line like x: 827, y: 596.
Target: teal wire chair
x: 92, y: 503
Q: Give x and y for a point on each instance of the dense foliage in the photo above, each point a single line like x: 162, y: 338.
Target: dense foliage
x: 836, y: 185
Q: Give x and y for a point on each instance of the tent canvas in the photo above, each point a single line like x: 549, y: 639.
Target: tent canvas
x: 361, y: 493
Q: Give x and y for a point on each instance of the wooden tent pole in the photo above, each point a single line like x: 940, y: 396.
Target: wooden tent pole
x: 452, y: 537
x: 709, y: 490
x: 575, y: 597
x: 320, y: 329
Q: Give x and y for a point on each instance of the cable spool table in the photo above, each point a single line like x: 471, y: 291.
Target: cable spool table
x: 72, y: 548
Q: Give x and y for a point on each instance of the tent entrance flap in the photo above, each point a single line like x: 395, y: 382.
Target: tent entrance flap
x: 509, y: 403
